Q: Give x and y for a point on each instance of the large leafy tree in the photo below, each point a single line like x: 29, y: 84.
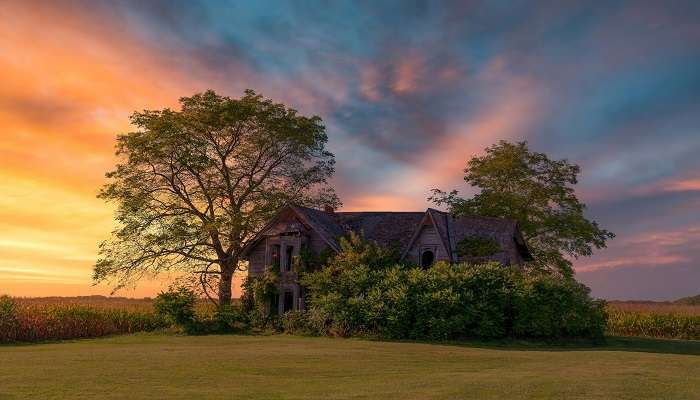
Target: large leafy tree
x: 538, y: 193
x: 192, y: 187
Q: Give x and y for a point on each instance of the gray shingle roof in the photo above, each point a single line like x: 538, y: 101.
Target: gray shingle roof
x: 386, y: 228
x: 398, y: 228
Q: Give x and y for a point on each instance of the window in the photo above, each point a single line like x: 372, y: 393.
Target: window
x: 288, y: 301
x: 275, y: 304
x: 289, y: 258
x: 275, y: 255
x: 427, y: 258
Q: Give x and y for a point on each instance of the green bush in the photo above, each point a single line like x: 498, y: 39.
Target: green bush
x: 448, y: 302
x: 476, y: 246
x: 177, y: 305
x: 258, y: 293
x: 296, y: 323
x: 230, y: 318
x: 548, y: 306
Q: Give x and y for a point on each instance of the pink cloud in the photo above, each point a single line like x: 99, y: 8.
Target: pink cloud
x: 642, y: 261
x: 370, y: 80
x: 407, y: 73
x: 647, y: 249
x: 684, y: 185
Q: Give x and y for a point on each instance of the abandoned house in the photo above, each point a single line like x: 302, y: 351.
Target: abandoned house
x: 422, y: 238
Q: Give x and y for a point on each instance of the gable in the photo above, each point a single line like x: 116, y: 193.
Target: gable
x: 427, y: 237
x: 292, y: 219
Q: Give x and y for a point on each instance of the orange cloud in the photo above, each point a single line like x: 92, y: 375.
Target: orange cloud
x: 389, y: 202
x: 68, y: 89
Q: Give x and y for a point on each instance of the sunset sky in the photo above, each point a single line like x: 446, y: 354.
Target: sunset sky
x: 408, y: 92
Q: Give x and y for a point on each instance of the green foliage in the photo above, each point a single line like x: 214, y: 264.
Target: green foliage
x: 230, y: 318
x: 547, y: 306
x: 475, y: 246
x: 355, y: 250
x: 538, y: 193
x: 296, y: 323
x: 258, y: 293
x: 177, y: 305
x: 308, y: 261
x: 449, y: 302
x: 194, y: 186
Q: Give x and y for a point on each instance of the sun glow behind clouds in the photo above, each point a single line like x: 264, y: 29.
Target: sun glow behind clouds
x: 67, y: 90
x: 408, y: 95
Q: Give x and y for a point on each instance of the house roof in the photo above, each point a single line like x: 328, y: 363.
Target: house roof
x: 386, y: 228
x: 400, y: 228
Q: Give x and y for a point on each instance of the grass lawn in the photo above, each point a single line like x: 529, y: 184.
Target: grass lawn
x: 286, y: 367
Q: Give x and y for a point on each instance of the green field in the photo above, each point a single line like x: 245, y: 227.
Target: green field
x: 146, y: 366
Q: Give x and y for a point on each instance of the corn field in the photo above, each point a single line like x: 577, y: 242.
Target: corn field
x: 31, y: 320
x: 656, y: 320
x: 57, y: 318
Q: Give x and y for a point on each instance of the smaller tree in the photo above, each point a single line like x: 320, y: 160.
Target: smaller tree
x: 538, y: 193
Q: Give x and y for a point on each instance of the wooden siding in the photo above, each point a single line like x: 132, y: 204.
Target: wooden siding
x: 428, y: 238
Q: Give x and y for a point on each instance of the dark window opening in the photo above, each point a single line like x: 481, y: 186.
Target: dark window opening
x: 275, y: 255
x: 288, y: 261
x: 288, y: 301
x: 427, y: 259
x: 275, y: 304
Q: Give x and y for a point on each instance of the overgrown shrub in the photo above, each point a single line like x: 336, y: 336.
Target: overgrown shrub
x: 448, y: 302
x: 177, y: 305
x: 296, y: 323
x: 230, y: 318
x: 549, y: 306
x: 476, y: 246
x: 258, y: 293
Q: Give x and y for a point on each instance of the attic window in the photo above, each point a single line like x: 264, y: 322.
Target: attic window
x: 427, y: 258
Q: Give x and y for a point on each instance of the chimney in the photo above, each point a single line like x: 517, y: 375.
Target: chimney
x: 328, y: 209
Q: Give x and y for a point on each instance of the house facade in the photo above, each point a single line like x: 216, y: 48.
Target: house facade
x: 422, y: 238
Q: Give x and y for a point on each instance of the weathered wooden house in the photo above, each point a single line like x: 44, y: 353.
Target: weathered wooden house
x: 422, y: 238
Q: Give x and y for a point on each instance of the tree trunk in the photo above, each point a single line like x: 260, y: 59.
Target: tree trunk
x: 225, y: 285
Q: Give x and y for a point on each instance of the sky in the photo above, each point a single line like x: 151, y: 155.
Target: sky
x: 408, y: 91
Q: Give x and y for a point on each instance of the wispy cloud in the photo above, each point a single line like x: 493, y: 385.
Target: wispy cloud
x: 408, y: 94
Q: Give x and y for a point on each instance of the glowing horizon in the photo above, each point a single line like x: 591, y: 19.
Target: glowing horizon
x: 408, y: 94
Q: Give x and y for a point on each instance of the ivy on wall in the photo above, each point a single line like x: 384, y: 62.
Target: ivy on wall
x: 476, y: 246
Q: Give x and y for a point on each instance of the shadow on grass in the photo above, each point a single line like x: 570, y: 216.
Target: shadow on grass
x: 612, y: 343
